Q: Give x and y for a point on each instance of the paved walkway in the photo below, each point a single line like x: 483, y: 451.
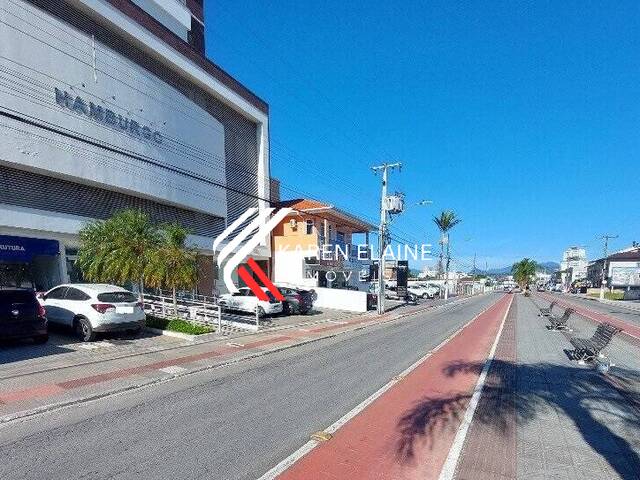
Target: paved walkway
x: 564, y: 421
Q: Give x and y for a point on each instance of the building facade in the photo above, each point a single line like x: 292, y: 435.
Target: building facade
x: 111, y: 104
x: 622, y: 270
x: 314, y: 247
x: 573, y: 265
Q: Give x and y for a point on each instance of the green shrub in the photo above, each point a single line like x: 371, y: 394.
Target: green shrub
x: 615, y: 295
x: 176, y: 325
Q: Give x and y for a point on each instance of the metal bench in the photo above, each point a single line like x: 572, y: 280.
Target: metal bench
x: 586, y: 349
x: 560, y: 323
x: 546, y: 311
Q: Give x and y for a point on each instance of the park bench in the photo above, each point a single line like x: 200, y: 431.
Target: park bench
x: 586, y: 349
x: 560, y: 323
x: 546, y: 311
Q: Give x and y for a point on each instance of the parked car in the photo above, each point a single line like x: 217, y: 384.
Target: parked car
x: 92, y: 308
x: 419, y: 291
x: 296, y: 300
x: 22, y: 316
x: 245, y: 301
x: 432, y: 290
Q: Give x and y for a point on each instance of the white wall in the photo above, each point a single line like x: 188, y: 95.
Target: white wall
x: 338, y: 299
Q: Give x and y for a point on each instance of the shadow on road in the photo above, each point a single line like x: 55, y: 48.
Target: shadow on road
x: 522, y: 393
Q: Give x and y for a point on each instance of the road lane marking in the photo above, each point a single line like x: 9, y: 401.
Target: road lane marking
x: 234, y: 344
x: 173, y: 370
x: 449, y: 468
x: 289, y: 461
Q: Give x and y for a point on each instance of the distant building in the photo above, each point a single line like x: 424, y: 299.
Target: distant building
x: 574, y: 265
x: 428, y: 272
x: 622, y: 269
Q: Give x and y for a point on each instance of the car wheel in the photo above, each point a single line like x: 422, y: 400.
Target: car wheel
x: 41, y: 339
x: 84, y: 330
x: 286, y: 308
x: 135, y: 331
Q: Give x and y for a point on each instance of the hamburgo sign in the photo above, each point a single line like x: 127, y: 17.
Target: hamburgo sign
x: 106, y: 116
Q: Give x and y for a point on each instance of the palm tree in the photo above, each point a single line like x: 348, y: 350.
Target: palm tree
x: 524, y: 271
x: 445, y: 222
x: 118, y: 249
x: 173, y: 265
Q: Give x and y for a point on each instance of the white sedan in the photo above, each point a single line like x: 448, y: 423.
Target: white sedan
x: 245, y: 301
x: 91, y: 308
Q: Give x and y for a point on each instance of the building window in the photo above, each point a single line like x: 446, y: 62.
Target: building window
x: 309, y: 224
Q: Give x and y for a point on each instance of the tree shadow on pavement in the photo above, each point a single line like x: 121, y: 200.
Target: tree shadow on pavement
x: 521, y: 393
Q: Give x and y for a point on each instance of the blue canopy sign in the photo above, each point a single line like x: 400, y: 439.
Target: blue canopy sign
x: 23, y: 249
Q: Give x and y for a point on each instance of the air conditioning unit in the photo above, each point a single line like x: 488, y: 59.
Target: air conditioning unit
x: 293, y: 223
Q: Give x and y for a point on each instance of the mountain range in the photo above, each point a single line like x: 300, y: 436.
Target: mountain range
x: 542, y: 266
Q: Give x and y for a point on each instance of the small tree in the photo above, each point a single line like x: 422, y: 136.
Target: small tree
x: 118, y: 249
x: 173, y: 265
x: 524, y: 271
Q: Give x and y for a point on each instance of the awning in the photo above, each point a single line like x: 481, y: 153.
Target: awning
x: 23, y: 249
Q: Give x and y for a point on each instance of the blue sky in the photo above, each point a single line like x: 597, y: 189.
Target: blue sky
x: 522, y: 117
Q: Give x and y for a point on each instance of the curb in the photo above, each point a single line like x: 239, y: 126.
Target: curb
x: 26, y: 414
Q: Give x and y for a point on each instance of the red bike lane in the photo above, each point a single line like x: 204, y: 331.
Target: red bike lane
x: 388, y: 439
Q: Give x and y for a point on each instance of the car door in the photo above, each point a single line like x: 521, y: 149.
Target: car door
x: 71, y: 305
x: 249, y: 301
x: 52, y: 303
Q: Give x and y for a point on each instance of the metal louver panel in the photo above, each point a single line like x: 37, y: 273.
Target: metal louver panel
x: 33, y: 190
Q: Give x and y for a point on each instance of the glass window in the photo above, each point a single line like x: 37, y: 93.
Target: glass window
x: 117, y: 297
x: 75, y: 294
x: 309, y: 224
x: 57, y: 293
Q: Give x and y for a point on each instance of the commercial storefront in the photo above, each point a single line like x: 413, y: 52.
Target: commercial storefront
x: 106, y: 105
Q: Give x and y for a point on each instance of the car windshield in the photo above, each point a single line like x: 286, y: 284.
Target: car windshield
x: 117, y: 297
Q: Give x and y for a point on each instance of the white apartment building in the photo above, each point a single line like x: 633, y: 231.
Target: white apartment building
x: 573, y: 265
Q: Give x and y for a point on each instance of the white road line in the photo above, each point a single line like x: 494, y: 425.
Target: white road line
x: 337, y: 321
x: 173, y: 370
x: 234, y: 344
x: 449, y: 467
x: 311, y: 444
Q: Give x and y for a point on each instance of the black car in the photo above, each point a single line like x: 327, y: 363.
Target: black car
x: 297, y: 300
x: 22, y: 316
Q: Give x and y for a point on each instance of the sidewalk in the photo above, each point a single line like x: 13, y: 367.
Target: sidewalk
x: 71, y: 374
x: 563, y: 420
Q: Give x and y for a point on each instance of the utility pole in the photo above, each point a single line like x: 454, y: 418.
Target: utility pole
x: 605, y: 239
x: 474, y: 264
x: 382, y: 231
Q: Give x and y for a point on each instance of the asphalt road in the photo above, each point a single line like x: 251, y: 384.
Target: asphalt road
x: 230, y: 423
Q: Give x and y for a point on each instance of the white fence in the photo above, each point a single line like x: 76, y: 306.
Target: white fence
x: 200, y: 311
